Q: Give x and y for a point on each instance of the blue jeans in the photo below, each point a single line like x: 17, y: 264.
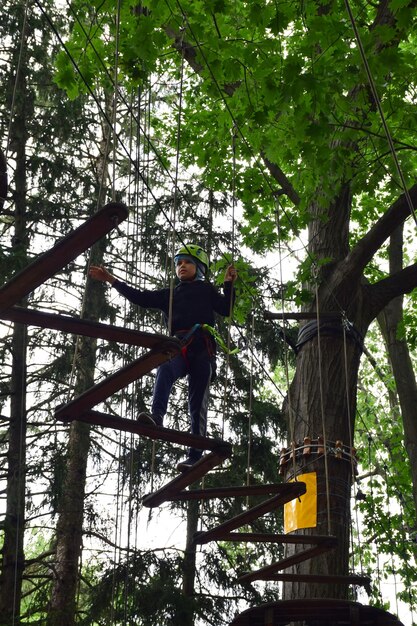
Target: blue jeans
x: 198, y: 367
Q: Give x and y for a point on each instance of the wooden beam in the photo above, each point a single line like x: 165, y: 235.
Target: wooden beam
x: 107, y: 387
x: 277, y: 538
x: 157, y: 433
x: 197, y: 471
x: 306, y: 315
x: 78, y: 326
x: 288, y: 492
x: 66, y: 250
x: 299, y: 557
x: 229, y: 492
x: 350, y: 579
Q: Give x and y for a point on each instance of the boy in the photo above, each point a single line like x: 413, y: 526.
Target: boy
x: 195, y: 302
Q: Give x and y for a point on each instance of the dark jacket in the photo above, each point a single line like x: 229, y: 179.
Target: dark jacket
x: 194, y: 302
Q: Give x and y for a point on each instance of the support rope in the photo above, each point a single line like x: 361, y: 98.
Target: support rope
x: 173, y: 217
x: 380, y: 111
x: 323, y: 417
x: 291, y: 417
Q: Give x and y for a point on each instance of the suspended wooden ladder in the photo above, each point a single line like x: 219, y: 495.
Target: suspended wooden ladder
x: 161, y: 348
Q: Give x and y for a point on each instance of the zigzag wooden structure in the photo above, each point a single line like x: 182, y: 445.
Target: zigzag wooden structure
x: 162, y: 348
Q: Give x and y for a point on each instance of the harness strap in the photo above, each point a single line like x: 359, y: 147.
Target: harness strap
x: 187, y: 338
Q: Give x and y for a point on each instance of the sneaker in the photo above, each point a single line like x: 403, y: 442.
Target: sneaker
x: 152, y: 420
x: 185, y: 465
x: 145, y: 418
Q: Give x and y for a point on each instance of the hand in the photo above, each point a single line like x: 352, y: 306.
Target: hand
x: 231, y: 274
x: 98, y: 272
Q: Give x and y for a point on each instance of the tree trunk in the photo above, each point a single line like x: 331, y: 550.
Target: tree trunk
x: 189, y: 564
x: 322, y: 402
x: 402, y: 367
x: 69, y: 529
x: 14, y: 525
x: 329, y: 414
x: 3, y: 179
x: 62, y: 606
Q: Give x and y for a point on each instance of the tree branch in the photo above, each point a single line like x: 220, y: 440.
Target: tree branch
x: 277, y: 173
x: 362, y: 253
x: 189, y: 53
x: 184, y: 48
x: 382, y: 292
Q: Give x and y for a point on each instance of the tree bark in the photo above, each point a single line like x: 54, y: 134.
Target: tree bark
x: 3, y: 179
x: 14, y: 524
x: 12, y: 564
x: 62, y: 606
x: 399, y: 355
x: 189, y: 564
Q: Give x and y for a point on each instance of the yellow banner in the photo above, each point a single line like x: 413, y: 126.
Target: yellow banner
x: 302, y: 512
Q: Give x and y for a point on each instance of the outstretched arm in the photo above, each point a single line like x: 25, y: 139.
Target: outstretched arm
x: 98, y: 272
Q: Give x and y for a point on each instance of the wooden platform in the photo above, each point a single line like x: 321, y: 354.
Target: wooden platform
x: 317, y: 612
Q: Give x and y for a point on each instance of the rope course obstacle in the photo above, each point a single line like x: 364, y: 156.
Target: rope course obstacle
x: 159, y: 349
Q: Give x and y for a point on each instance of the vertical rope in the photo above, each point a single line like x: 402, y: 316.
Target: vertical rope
x: 17, y: 76
x: 323, y: 420
x: 234, y: 136
x: 119, y: 491
x: 225, y: 412
x: 345, y: 326
x: 250, y: 408
x: 115, y: 92
x: 380, y: 111
x: 286, y: 361
x: 173, y: 216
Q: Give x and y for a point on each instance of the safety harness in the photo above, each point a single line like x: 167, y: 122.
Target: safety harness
x: 188, y: 337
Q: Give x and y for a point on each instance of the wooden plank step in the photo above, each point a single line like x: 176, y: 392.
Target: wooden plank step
x: 197, y: 471
x: 326, y: 612
x: 107, y: 387
x: 350, y: 579
x: 288, y: 492
x: 78, y: 326
x: 306, y: 315
x: 159, y: 433
x: 277, y: 538
x: 299, y: 557
x: 66, y: 250
x: 229, y: 492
